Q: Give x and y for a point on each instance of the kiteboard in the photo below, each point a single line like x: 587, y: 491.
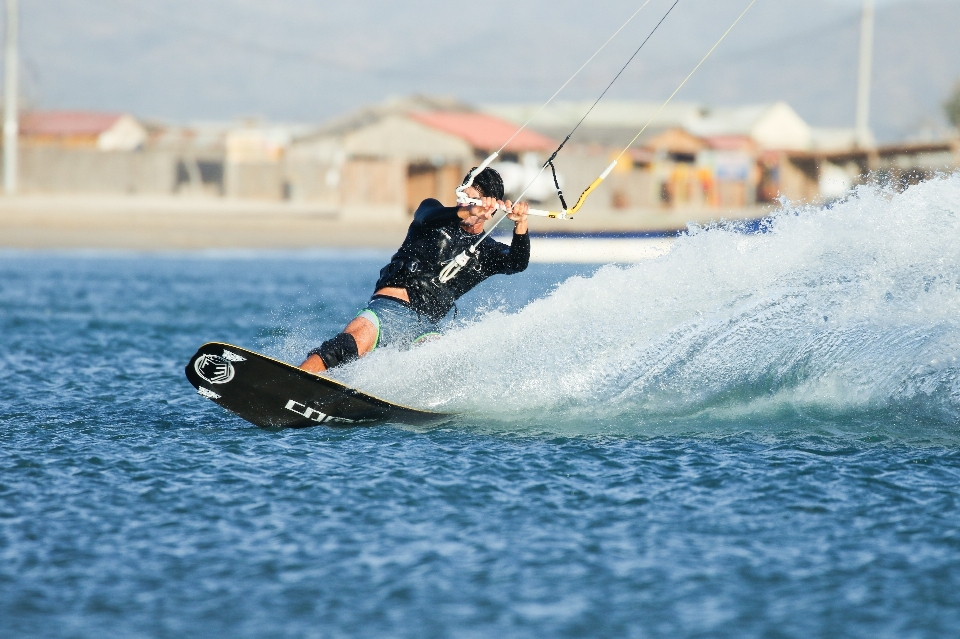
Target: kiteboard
x: 273, y: 394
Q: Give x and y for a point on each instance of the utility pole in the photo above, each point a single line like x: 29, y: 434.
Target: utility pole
x: 11, y: 124
x: 864, y: 137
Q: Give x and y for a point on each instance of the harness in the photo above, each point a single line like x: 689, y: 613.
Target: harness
x: 415, y: 267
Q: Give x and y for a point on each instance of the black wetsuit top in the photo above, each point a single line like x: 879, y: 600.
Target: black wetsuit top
x: 433, y: 239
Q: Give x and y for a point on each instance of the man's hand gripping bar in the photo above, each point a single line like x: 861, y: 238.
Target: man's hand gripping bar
x: 566, y: 214
x: 450, y: 270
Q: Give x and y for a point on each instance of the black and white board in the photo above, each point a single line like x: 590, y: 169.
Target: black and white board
x: 273, y: 394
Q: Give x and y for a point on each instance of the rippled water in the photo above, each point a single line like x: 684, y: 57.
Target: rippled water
x: 752, y: 436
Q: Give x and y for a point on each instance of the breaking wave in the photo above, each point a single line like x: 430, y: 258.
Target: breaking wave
x: 835, y: 311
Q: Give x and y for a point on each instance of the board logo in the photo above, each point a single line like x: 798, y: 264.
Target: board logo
x: 213, y: 369
x: 313, y: 414
x: 206, y: 392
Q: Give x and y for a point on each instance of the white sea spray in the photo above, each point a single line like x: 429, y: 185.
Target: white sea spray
x: 847, y: 308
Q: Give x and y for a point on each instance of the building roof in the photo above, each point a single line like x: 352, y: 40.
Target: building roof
x: 629, y: 115
x: 726, y: 121
x: 372, y: 114
x: 771, y: 126
x: 66, y: 123
x: 731, y: 143
x: 483, y: 131
x: 676, y: 140
x: 774, y: 125
x: 834, y: 139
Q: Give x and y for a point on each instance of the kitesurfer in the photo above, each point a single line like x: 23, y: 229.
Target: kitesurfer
x: 409, y: 299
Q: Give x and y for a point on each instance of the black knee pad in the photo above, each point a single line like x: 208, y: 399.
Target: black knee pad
x: 342, y: 349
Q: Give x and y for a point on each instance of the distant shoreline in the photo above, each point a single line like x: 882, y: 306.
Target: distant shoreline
x: 144, y: 223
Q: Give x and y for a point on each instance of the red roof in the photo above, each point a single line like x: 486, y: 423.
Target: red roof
x: 484, y: 132
x: 731, y: 143
x: 66, y: 123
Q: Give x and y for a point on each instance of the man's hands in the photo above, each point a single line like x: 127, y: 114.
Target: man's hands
x: 519, y: 216
x: 475, y: 216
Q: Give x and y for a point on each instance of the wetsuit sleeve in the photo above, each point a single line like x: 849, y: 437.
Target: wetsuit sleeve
x: 432, y: 213
x: 499, y: 258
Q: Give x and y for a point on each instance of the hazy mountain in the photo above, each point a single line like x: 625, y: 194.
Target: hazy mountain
x: 308, y: 60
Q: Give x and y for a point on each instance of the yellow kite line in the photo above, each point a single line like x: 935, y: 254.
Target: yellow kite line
x: 568, y: 213
x: 593, y: 185
x: 453, y: 267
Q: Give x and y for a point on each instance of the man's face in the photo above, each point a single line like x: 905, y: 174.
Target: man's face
x: 473, y: 193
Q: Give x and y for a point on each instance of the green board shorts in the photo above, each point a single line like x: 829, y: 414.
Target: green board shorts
x: 397, y: 323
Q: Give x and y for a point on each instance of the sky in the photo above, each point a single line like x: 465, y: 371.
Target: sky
x: 310, y: 60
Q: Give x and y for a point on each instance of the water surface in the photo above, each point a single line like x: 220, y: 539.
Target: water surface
x: 752, y: 436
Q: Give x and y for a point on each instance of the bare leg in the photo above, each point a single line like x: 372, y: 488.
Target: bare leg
x: 363, y: 331
x: 313, y: 364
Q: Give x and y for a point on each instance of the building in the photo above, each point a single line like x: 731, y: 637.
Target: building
x: 378, y: 164
x: 773, y: 126
x: 687, y: 158
x: 691, y: 156
x: 82, y: 129
x: 819, y: 176
x: 89, y: 152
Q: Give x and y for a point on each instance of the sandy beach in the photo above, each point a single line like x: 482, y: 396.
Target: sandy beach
x: 181, y: 223
x: 147, y: 223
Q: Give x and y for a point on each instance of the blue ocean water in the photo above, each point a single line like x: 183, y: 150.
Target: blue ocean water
x: 751, y: 436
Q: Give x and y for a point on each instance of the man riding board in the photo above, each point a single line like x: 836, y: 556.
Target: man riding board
x: 409, y: 300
